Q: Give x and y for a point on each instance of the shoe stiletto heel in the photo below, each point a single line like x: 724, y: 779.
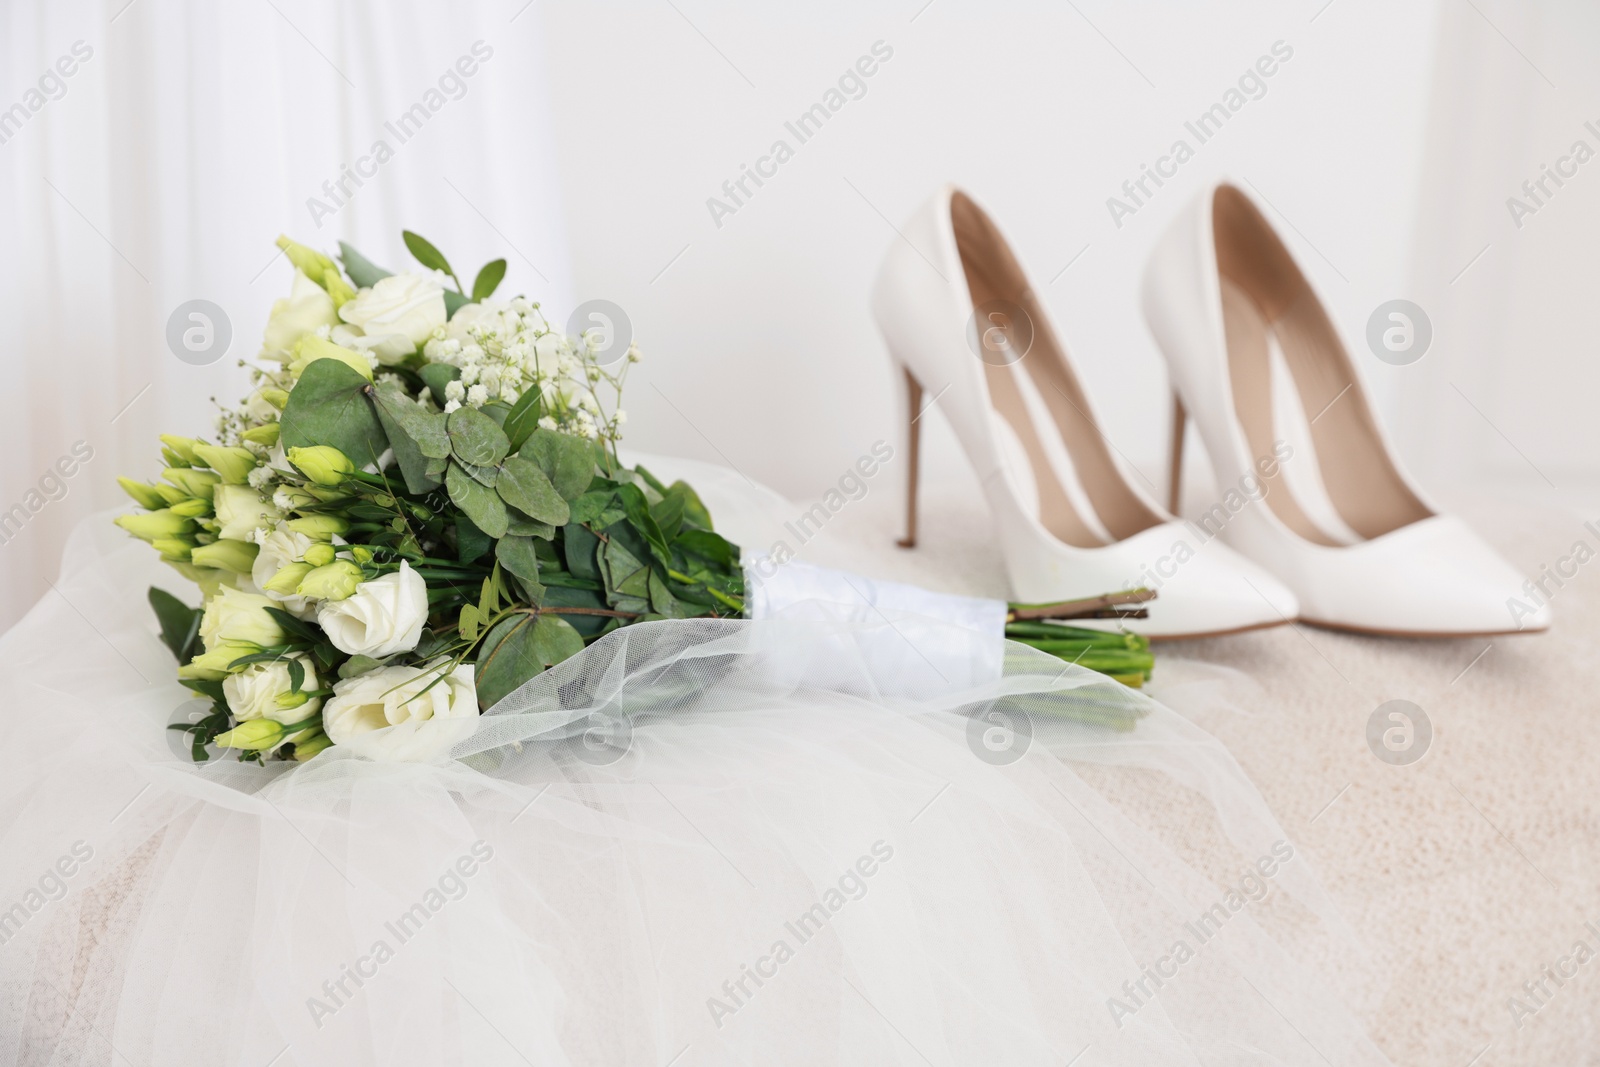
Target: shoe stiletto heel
x: 913, y: 396
x: 1069, y: 522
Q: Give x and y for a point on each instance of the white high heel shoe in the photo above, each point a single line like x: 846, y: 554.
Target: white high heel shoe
x: 1070, y: 523
x: 1258, y: 364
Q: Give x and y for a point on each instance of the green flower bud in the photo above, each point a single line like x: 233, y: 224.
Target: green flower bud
x: 171, y: 494
x: 327, y: 494
x: 265, y: 434
x: 226, y: 554
x: 323, y: 464
x: 143, y: 495
x: 214, y: 665
x: 320, y: 554
x: 234, y: 464
x: 278, y: 398
x: 338, y: 289
x: 311, y: 348
x: 172, y: 549
x: 290, y: 700
x: 156, y: 524
x: 336, y: 581
x: 193, y: 482
x: 182, y: 446
x: 288, y: 579
x: 304, y: 750
x: 319, y: 527
x: 252, y: 735
x: 361, y: 553
x: 193, y: 508
x: 312, y: 264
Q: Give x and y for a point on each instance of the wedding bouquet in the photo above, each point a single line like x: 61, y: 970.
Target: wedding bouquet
x: 420, y: 506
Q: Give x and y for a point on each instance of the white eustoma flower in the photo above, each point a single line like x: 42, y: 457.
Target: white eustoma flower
x: 253, y: 693
x: 410, y: 305
x: 386, y: 713
x: 241, y: 511
x: 382, y: 617
x: 307, y: 307
x: 237, y: 617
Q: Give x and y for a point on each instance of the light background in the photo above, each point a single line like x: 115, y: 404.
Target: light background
x: 586, y: 149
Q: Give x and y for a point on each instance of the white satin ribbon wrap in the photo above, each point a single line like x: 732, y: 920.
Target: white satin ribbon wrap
x: 882, y: 625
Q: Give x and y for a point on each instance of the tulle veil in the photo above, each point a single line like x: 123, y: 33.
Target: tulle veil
x: 699, y: 842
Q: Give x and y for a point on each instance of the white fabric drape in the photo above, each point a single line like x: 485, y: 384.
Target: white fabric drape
x: 186, y: 139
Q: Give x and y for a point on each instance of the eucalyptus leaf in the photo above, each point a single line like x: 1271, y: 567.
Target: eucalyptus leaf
x: 362, y: 271
x: 475, y: 439
x: 416, y: 436
x: 565, y: 460
x: 661, y: 599
x: 639, y: 517
x: 453, y: 302
x: 522, y: 526
x: 524, y: 418
x: 358, y: 665
x: 486, y: 476
x: 589, y: 507
x: 329, y: 405
x: 436, y: 376
x: 524, y: 486
x: 482, y: 505
x: 580, y: 545
x: 520, y: 648
x: 488, y: 279
x: 516, y: 555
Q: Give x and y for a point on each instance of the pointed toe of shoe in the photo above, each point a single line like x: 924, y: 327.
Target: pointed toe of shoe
x: 1434, y: 578
x: 1211, y: 590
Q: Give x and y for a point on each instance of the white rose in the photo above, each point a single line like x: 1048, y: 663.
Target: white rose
x: 234, y: 616
x: 253, y: 693
x: 241, y: 511
x: 380, y: 618
x: 308, y: 306
x: 411, y: 305
x: 385, y: 713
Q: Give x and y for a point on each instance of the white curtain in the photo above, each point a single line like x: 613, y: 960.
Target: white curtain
x: 186, y: 137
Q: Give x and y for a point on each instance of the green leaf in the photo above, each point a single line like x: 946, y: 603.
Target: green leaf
x: 565, y: 460
x: 710, y: 546
x: 295, y: 627
x: 524, y: 417
x: 580, y: 545
x: 362, y: 271
x: 516, y: 554
x: 589, y: 507
x: 626, y: 577
x: 180, y: 624
x: 567, y: 597
x: 358, y: 665
x: 417, y: 436
x: 482, y: 505
x: 488, y: 279
x: 497, y: 410
x: 329, y: 406
x: 522, y: 526
x: 436, y: 376
x: 485, y: 476
x: 453, y: 302
x: 638, y: 511
x: 519, y: 648
x: 694, y: 509
x: 426, y: 254
x: 471, y: 542
x: 669, y: 513
x: 650, y: 479
x: 475, y: 439
x: 661, y: 599
x: 524, y: 486
x: 297, y: 674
